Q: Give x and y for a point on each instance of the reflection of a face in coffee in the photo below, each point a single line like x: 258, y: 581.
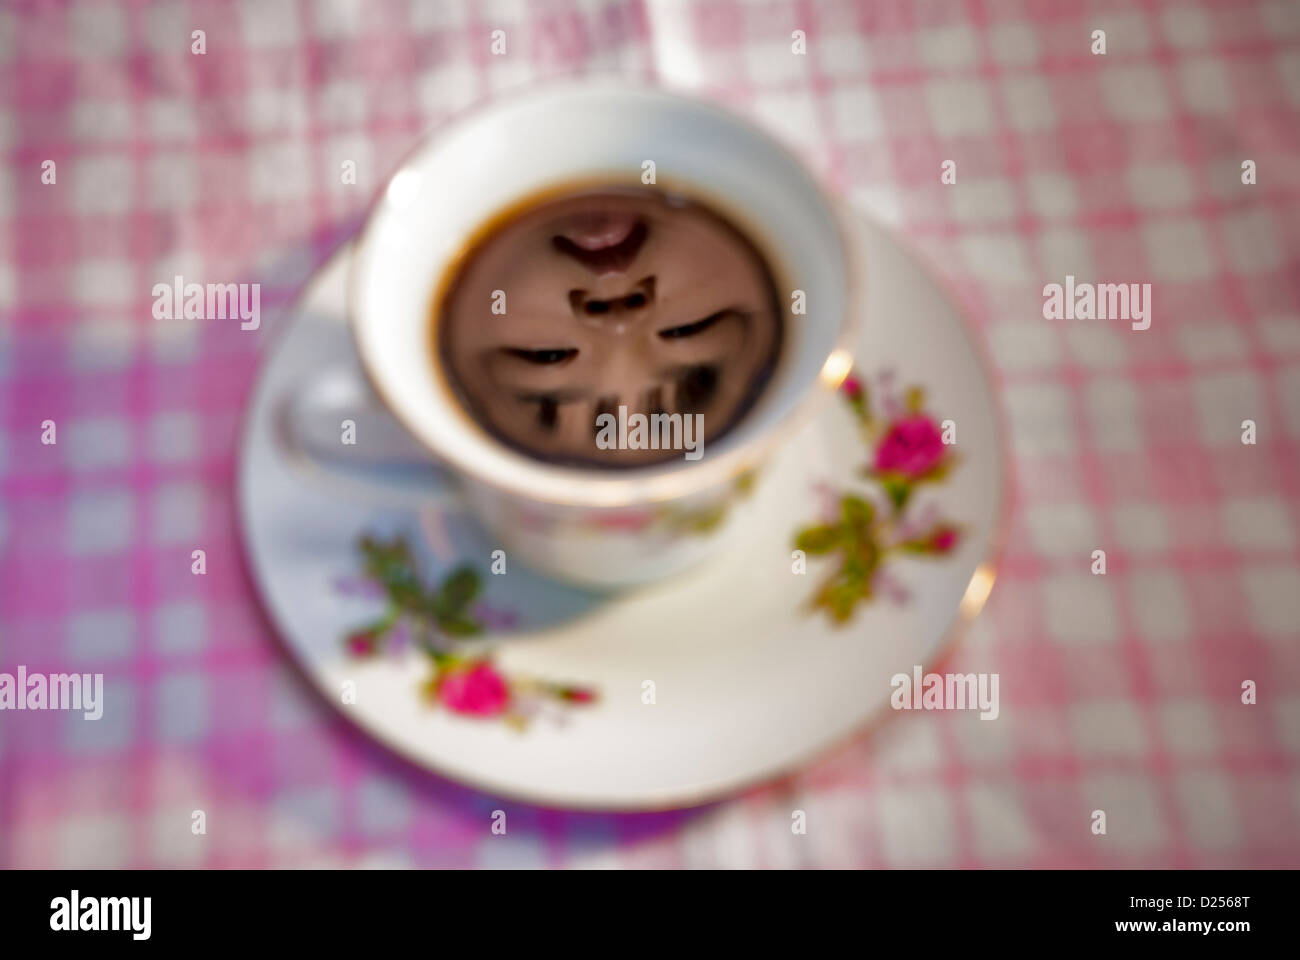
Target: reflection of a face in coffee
x: 613, y: 298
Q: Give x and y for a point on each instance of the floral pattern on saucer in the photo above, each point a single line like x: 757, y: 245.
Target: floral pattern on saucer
x: 438, y: 620
x: 863, y: 529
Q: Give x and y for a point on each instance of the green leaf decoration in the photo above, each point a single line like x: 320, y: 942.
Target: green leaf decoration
x: 840, y: 596
x: 855, y: 511
x: 460, y: 626
x: 429, y: 611
x: 898, y: 489
x: 914, y: 400
x: 817, y: 539
x: 458, y: 591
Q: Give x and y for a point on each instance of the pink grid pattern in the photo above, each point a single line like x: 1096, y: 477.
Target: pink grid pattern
x: 1119, y: 692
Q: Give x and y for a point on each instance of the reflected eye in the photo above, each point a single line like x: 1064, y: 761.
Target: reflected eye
x: 696, y: 387
x: 691, y: 329
x: 548, y: 404
x: 542, y: 357
x: 547, y: 411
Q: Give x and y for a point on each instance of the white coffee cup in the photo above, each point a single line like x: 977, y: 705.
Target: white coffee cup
x: 593, y: 526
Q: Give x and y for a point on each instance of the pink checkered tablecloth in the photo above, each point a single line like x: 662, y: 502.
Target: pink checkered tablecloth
x: 1122, y: 692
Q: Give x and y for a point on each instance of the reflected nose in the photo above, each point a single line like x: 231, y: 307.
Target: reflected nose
x: 613, y: 309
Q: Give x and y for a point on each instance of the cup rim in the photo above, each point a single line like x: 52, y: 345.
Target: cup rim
x: 565, y: 485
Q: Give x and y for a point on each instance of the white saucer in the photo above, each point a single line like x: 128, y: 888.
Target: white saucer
x: 748, y: 680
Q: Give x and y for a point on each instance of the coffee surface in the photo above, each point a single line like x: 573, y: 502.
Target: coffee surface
x: 608, y: 301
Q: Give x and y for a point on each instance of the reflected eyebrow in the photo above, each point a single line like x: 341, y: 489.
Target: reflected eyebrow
x: 541, y: 355
x: 698, y: 326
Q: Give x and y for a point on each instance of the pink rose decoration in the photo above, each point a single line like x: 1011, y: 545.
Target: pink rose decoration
x: 852, y: 386
x: 944, y: 539
x: 478, y: 690
x: 912, y: 447
x: 362, y: 643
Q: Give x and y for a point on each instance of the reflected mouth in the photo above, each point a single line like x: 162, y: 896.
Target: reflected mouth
x: 605, y: 244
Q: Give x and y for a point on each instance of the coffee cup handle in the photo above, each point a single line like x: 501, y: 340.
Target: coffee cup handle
x: 336, y: 420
